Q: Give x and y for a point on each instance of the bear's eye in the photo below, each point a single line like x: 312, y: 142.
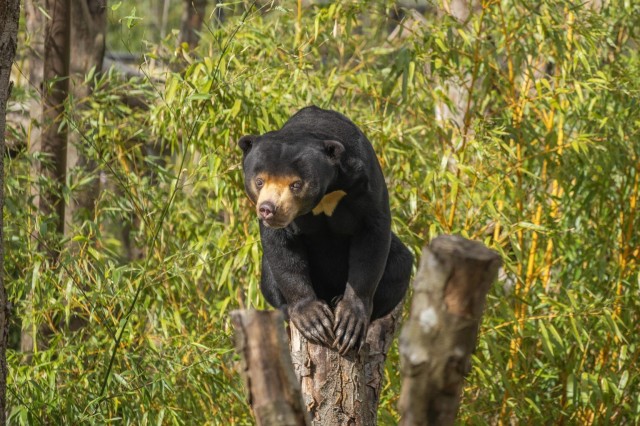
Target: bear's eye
x: 296, y: 186
x: 259, y: 183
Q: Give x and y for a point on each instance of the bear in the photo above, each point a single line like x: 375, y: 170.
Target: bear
x: 330, y: 261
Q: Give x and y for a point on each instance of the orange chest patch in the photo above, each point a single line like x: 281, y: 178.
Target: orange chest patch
x: 328, y: 203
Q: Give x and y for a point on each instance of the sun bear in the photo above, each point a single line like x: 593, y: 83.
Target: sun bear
x: 330, y: 261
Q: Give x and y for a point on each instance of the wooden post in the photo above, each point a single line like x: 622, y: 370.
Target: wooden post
x: 272, y: 387
x: 436, y: 343
x: 341, y: 391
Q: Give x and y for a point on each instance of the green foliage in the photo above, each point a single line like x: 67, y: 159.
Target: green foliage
x: 541, y: 162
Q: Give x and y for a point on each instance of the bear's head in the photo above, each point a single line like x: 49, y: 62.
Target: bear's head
x: 287, y: 177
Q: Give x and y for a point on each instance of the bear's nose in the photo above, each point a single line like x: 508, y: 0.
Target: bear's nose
x: 267, y: 210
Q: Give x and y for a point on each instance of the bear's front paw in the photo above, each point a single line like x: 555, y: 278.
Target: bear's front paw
x: 314, y: 319
x: 351, y: 322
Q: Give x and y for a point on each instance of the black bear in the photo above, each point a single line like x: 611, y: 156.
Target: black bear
x: 330, y: 260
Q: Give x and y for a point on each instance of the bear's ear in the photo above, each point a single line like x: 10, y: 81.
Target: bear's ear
x: 246, y: 142
x: 334, y: 150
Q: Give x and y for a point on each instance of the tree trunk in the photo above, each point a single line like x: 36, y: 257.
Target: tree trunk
x: 438, y: 339
x: 9, y: 17
x: 340, y: 390
x: 54, y: 136
x: 35, y: 26
x: 49, y: 71
x: 459, y: 87
x: 88, y: 27
x: 274, y: 392
x: 192, y: 18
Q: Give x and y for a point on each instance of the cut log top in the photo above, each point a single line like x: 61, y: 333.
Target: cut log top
x: 460, y: 270
x: 460, y: 247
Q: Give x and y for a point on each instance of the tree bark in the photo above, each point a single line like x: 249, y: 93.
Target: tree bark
x: 88, y: 29
x: 54, y: 136
x: 9, y: 17
x: 438, y: 339
x: 340, y: 390
x: 274, y: 392
x: 192, y: 18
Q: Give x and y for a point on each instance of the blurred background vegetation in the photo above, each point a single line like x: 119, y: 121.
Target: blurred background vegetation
x: 515, y: 123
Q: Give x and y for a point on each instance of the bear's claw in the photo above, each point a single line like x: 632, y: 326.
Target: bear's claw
x: 314, y: 320
x: 351, y: 323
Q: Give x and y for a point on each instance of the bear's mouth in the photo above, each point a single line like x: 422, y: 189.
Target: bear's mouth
x: 275, y: 224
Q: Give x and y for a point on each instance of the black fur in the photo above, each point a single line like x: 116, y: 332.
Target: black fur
x: 332, y: 274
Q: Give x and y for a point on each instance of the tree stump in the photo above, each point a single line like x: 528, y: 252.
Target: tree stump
x: 272, y: 387
x: 437, y: 341
x: 344, y: 391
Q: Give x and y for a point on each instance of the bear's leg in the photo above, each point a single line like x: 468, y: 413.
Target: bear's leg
x: 270, y: 290
x: 395, y: 280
